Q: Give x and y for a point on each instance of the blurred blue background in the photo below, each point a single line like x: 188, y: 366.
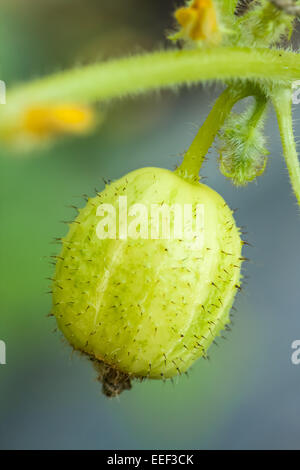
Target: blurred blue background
x: 248, y: 394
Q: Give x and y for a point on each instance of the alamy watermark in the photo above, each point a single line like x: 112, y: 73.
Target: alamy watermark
x: 152, y: 222
x: 296, y: 92
x: 2, y: 92
x: 2, y: 353
x: 295, y: 357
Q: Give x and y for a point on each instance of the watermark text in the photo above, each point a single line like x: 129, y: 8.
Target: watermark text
x: 2, y: 92
x: 2, y: 353
x: 152, y: 221
x: 295, y: 358
x: 296, y: 92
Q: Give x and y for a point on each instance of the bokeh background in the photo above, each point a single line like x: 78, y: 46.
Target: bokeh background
x: 248, y: 395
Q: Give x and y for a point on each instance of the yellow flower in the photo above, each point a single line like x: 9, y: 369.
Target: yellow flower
x: 40, y: 124
x: 199, y: 21
x: 47, y: 121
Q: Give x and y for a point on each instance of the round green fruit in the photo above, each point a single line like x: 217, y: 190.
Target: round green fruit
x: 140, y: 301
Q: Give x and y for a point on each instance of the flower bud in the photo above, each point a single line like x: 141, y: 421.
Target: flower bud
x: 243, y: 156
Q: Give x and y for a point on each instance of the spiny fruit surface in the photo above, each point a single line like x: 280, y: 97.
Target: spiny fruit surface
x: 147, y: 307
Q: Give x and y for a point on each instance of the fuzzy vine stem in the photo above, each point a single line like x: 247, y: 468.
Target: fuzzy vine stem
x: 259, y: 110
x: 195, y: 155
x: 166, y: 69
x: 282, y: 100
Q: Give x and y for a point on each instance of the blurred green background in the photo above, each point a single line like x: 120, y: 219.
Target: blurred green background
x: 248, y: 394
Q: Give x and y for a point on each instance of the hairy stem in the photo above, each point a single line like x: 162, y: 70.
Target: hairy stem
x: 229, y: 6
x: 282, y: 100
x: 259, y: 110
x: 195, y: 155
x: 167, y: 69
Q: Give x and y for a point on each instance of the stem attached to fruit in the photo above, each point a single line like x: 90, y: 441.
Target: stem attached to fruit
x: 282, y: 100
x: 195, y: 155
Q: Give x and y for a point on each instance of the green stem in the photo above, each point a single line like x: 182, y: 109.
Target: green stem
x: 167, y: 69
x: 195, y: 155
x: 256, y: 119
x: 229, y: 6
x: 261, y: 103
x: 282, y: 100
